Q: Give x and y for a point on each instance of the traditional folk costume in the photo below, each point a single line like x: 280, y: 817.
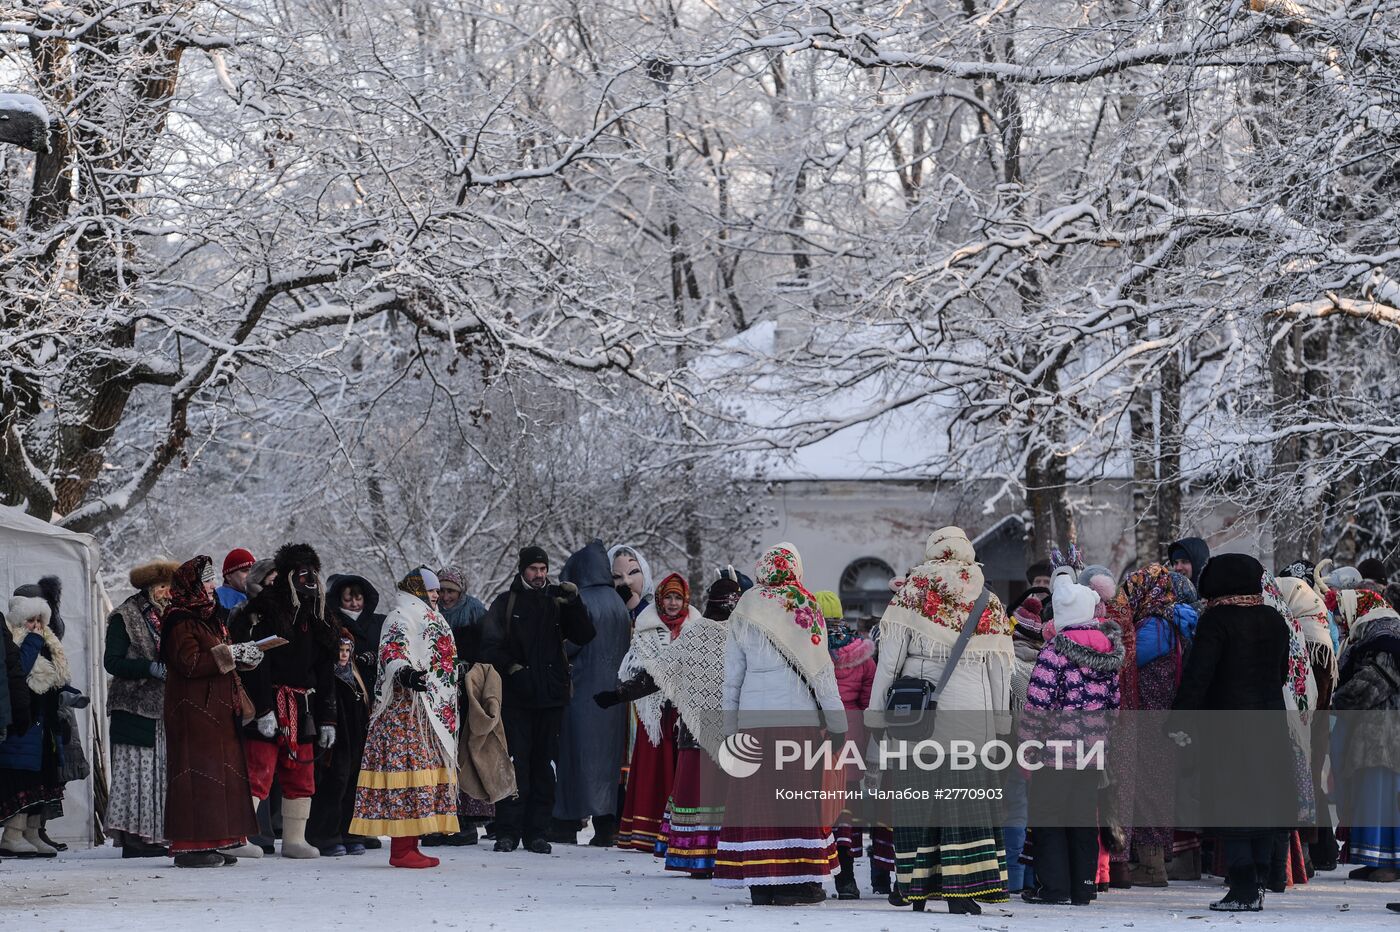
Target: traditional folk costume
x: 952, y: 853
x: 778, y: 679
x: 136, y: 701
x: 408, y: 778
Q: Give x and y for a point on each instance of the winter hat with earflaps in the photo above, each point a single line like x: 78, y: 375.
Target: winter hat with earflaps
x: 144, y: 576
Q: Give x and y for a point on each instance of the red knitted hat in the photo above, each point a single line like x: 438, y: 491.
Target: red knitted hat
x: 237, y: 559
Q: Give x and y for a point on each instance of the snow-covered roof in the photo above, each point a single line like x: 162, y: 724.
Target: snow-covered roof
x: 907, y: 442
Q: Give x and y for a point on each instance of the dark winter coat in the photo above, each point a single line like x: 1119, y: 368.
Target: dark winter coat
x: 593, y: 741
x: 25, y: 750
x: 365, y: 629
x: 207, y: 793
x: 135, y: 695
x: 523, y: 638
x: 14, y: 694
x: 1238, y: 662
x: 306, y: 662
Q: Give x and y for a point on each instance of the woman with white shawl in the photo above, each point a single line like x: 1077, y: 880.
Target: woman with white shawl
x: 778, y: 680
x: 961, y: 858
x: 408, y: 779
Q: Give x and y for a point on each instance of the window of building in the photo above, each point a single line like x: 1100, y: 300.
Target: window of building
x: 865, y: 588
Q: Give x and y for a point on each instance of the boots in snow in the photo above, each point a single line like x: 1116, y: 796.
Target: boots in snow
x: 247, y: 849
x: 604, y: 831
x: 1118, y: 876
x: 846, y: 886
x: 1278, y: 864
x: 1245, y: 894
x: 880, y: 882
x: 295, y: 812
x: 506, y: 843
x: 1151, y: 867
x: 403, y: 852
x: 12, y: 842
x: 964, y: 908
x: 31, y: 835
x: 563, y: 832
x: 799, y: 894
x: 199, y: 859
x: 538, y: 846
x: 761, y: 896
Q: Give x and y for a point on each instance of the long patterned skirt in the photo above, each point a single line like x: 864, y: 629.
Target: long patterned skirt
x: 649, y: 782
x: 752, y: 853
x: 404, y: 789
x: 136, y: 808
x: 690, y: 830
x: 1156, y: 765
x: 964, y: 858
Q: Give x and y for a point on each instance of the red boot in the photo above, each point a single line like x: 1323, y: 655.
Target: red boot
x: 403, y: 852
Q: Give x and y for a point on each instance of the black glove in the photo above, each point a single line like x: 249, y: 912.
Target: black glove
x: 606, y: 700
x: 624, y: 592
x: 409, y: 678
x: 564, y: 593
x: 366, y: 659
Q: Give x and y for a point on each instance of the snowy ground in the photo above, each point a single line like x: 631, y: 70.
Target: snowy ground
x: 573, y: 890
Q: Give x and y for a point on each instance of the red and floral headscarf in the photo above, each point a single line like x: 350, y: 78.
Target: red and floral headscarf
x: 1149, y: 594
x: 187, y: 592
x: 674, y: 583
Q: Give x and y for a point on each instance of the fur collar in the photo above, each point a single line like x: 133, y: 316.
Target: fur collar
x: 1089, y: 658
x: 853, y: 654
x: 48, y: 673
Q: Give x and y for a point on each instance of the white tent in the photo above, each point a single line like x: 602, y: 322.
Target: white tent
x: 30, y: 548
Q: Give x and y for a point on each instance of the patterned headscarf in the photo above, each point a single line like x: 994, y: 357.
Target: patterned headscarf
x: 673, y: 584
x: 838, y: 636
x: 786, y: 613
x: 1149, y: 594
x: 453, y: 575
x: 187, y: 592
x: 413, y: 584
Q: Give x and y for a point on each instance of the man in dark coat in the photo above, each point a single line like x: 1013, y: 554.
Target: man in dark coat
x: 14, y: 693
x: 593, y: 741
x: 293, y: 690
x: 523, y: 638
x: 1238, y: 663
x: 1188, y: 557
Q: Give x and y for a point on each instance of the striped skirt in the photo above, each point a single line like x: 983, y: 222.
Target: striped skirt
x: 752, y: 854
x: 649, y: 782
x: 691, y: 827
x: 963, y: 858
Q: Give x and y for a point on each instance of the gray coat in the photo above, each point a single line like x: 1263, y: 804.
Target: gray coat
x: 593, y: 741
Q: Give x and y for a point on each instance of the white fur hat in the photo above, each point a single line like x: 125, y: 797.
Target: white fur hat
x: 22, y: 608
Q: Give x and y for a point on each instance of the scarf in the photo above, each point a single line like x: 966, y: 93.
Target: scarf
x: 674, y: 584
x: 50, y: 670
x: 1371, y: 625
x: 416, y: 636
x: 1309, y: 610
x: 413, y: 584
x: 1300, y: 691
x: 786, y: 613
x: 688, y: 667
x: 1149, y: 594
x: 938, y: 595
x: 1243, y: 601
x: 187, y: 591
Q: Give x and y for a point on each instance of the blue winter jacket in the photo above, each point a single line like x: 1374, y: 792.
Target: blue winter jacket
x: 1156, y: 638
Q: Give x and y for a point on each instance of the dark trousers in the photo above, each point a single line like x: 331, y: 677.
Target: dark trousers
x: 334, y: 800
x: 1247, y: 857
x: 1066, y: 853
x: 532, y: 737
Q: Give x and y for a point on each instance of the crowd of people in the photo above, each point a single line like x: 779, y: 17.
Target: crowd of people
x: 275, y: 701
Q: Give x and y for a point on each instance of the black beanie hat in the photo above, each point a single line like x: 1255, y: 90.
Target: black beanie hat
x: 1373, y: 569
x: 1227, y: 574
x: 531, y: 555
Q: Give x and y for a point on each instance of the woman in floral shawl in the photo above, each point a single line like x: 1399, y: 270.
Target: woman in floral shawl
x: 954, y: 853
x: 408, y: 778
x: 778, y: 680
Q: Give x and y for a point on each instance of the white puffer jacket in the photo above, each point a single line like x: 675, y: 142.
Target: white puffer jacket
x: 761, y: 689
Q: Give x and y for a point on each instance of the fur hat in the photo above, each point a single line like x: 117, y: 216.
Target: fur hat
x: 50, y: 589
x: 1228, y: 574
x: 155, y: 573
x: 24, y: 607
x: 290, y: 556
